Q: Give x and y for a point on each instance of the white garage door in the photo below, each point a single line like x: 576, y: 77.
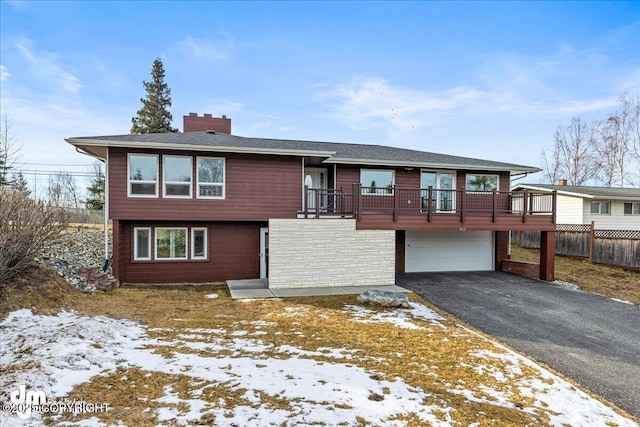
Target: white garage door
x: 449, y: 251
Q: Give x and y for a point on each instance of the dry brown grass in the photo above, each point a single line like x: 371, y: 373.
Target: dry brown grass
x: 608, y: 281
x: 40, y: 289
x: 436, y: 359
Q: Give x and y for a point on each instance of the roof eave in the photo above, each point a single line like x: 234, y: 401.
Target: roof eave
x: 579, y: 194
x: 82, y: 142
x: 399, y: 163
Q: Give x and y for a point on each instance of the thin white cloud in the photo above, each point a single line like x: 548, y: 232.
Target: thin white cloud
x: 45, y: 65
x: 568, y: 81
x: 373, y: 103
x: 206, y: 49
x: 4, y: 73
x: 224, y: 106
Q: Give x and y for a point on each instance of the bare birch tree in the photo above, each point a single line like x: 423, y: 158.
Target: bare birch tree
x: 574, y: 153
x: 63, y: 191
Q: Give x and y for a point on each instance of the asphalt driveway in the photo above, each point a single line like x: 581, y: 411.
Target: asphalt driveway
x: 591, y: 339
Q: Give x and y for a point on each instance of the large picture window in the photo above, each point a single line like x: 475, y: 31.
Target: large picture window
x: 142, y: 243
x: 481, y: 182
x: 211, y: 175
x: 376, y: 181
x: 171, y: 243
x: 177, y: 176
x: 143, y: 175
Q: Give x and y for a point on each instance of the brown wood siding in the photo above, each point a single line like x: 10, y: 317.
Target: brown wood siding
x: 452, y: 222
x: 233, y: 249
x: 257, y: 188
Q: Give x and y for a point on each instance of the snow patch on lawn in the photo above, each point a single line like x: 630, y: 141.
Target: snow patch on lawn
x: 401, y: 317
x: 54, y: 353
x: 212, y: 296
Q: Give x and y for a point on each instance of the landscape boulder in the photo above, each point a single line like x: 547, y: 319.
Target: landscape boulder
x: 384, y: 299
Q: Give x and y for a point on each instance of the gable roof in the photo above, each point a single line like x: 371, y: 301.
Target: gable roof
x: 587, y: 192
x: 333, y: 152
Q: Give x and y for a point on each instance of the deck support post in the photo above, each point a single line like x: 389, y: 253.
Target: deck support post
x: 429, y: 203
x: 395, y: 203
x: 547, y: 255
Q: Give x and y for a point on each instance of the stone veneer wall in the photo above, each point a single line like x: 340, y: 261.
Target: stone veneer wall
x: 329, y: 252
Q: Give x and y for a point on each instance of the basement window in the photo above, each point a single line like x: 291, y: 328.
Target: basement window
x: 141, y: 243
x: 199, y: 243
x: 143, y: 175
x: 171, y: 243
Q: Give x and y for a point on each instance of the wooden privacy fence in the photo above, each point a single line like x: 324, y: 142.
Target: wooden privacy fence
x: 612, y: 247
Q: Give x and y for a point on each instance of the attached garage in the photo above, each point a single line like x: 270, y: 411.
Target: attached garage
x: 427, y: 251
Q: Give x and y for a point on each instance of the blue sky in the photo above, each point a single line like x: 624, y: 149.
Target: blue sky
x: 479, y: 79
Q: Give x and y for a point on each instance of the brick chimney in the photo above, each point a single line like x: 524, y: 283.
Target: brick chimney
x: 562, y: 182
x: 193, y: 123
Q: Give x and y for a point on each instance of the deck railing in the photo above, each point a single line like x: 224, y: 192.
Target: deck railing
x: 429, y: 202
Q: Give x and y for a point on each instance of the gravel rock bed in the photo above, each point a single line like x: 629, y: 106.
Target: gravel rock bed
x: 73, y: 251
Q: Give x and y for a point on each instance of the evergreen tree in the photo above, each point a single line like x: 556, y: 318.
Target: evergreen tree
x: 154, y: 117
x: 96, y: 189
x: 20, y: 184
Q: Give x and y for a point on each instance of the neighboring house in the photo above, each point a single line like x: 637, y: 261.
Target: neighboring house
x: 608, y: 207
x: 208, y: 206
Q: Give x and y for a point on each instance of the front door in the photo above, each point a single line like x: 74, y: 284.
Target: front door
x: 264, y: 252
x: 315, y: 179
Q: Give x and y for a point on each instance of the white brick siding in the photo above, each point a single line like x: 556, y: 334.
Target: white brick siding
x: 329, y: 252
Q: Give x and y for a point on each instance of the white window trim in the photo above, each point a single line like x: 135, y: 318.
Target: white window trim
x: 633, y: 204
x: 453, y: 190
x: 386, y: 193
x: 600, y: 207
x: 135, y: 244
x: 481, y: 174
x: 165, y: 182
x: 129, y: 181
x: 223, y: 184
x: 193, y: 243
x: 186, y: 244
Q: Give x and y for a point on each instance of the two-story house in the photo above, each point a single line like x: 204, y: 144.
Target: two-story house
x: 205, y: 206
x: 609, y: 208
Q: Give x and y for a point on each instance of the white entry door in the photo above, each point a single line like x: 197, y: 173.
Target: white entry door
x: 264, y: 252
x: 315, y: 178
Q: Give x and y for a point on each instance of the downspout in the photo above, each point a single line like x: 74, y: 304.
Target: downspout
x: 105, y: 207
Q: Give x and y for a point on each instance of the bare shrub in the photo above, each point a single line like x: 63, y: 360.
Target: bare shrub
x: 25, y: 226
